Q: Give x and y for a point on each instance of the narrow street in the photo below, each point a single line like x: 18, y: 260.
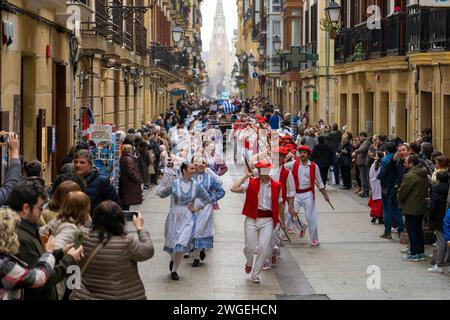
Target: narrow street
x: 337, y: 269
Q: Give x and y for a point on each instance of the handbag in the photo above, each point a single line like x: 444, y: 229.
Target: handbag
x: 68, y: 292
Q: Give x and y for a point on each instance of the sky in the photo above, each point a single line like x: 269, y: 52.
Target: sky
x: 208, y: 11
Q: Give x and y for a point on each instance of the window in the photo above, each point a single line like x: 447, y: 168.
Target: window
x: 296, y: 38
x: 245, y: 7
x: 307, y: 26
x: 314, y: 22
x: 277, y: 27
x: 276, y: 6
x: 258, y: 11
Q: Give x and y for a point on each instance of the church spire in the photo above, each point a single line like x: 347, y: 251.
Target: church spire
x: 219, y: 9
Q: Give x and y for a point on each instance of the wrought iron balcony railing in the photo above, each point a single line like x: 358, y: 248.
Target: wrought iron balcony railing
x: 395, y: 34
x: 417, y: 32
x: 439, y: 27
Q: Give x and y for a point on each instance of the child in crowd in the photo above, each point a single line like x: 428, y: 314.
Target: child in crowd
x: 375, y: 203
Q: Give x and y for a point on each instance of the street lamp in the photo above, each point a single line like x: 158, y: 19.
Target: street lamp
x: 251, y: 58
x: 277, y: 43
x: 333, y: 11
x: 261, y: 50
x: 177, y: 33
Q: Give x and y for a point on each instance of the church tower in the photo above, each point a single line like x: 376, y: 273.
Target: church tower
x: 219, y: 65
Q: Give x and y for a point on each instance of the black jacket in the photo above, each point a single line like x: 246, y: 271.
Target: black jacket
x: 322, y: 155
x: 153, y: 145
x: 99, y: 189
x: 345, y: 154
x: 438, y: 205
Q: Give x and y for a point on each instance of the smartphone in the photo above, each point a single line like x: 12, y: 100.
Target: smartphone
x: 79, y: 240
x: 130, y: 214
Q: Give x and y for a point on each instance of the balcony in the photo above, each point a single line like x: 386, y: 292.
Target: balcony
x: 141, y: 41
x: 439, y: 26
x: 259, y: 31
x: 395, y: 34
x: 417, y: 33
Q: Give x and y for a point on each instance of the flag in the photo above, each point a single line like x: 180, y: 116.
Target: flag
x: 87, y: 119
x: 228, y: 107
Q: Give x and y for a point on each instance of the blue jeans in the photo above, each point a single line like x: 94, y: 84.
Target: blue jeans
x: 391, y: 208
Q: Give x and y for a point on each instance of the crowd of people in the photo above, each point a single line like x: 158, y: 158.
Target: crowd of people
x: 79, y: 218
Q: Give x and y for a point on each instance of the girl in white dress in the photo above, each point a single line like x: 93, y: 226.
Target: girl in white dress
x: 180, y: 223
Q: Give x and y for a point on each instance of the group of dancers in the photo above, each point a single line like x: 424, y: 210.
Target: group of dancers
x: 279, y: 181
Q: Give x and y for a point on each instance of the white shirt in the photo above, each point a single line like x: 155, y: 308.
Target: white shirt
x: 303, y: 176
x: 275, y: 175
x: 264, y: 196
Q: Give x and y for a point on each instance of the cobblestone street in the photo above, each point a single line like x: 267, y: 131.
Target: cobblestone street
x: 337, y: 269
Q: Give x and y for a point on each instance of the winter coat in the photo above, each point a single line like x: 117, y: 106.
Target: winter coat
x: 12, y: 177
x: 130, y: 190
x: 151, y: 167
x: 334, y: 138
x: 389, y: 176
x: 413, y: 192
x: 274, y: 122
x: 322, y: 155
x: 65, y: 233
x: 99, y: 189
x: 30, y: 251
x: 143, y: 164
x: 362, y: 153
x: 15, y: 275
x: 345, y: 154
x: 113, y: 273
x: 439, y: 193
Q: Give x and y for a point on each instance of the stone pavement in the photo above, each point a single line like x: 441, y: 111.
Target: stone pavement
x: 337, y: 269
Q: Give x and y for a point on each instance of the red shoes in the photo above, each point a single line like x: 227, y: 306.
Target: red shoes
x: 248, y: 269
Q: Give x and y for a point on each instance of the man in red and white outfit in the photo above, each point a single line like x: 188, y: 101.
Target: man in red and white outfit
x: 281, y: 175
x: 264, y: 211
x: 305, y: 174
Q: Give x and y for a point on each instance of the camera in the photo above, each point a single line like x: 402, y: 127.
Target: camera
x: 130, y: 214
x: 4, y: 137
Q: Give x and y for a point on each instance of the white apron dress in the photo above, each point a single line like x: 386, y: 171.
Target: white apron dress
x: 204, y: 229
x: 180, y: 222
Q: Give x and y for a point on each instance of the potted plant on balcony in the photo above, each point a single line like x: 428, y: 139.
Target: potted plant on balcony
x: 358, y: 52
x: 328, y: 26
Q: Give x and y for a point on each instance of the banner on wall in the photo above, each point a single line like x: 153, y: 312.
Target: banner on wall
x: 431, y: 3
x: 392, y: 120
